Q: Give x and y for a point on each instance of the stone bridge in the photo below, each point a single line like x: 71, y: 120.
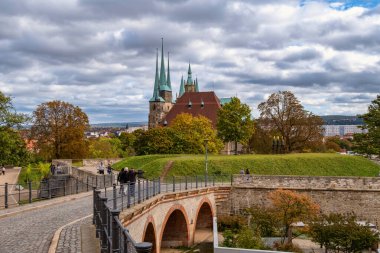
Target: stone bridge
x: 175, y: 219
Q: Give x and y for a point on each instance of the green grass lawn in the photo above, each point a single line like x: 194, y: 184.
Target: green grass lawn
x: 320, y: 164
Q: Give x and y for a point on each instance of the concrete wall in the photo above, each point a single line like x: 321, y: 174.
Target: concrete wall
x: 333, y: 194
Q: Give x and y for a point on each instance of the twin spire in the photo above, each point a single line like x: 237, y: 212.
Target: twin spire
x: 161, y: 83
x: 162, y: 80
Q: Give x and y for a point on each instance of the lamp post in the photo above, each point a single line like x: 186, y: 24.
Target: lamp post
x: 206, y: 162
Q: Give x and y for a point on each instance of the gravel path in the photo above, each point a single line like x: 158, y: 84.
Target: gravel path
x: 32, y: 231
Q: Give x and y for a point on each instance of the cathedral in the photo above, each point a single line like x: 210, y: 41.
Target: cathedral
x: 163, y: 109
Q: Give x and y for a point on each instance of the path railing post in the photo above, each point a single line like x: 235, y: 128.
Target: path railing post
x: 154, y: 187
x: 6, y: 195
x: 143, y: 247
x: 128, y: 195
x: 232, y: 179
x: 114, y: 196
x: 115, y: 235
x: 76, y: 185
x: 196, y: 182
x: 213, y: 180
x: 30, y: 191
x: 94, y: 205
x: 98, y: 224
x: 147, y: 188
x: 173, y: 183
x: 159, y: 185
x: 185, y: 182
x: 87, y: 182
x: 103, y: 214
x: 138, y: 191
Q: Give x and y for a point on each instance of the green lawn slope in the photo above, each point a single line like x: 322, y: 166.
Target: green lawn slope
x: 290, y: 164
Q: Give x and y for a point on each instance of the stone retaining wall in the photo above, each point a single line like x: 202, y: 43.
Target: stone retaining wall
x: 307, y: 182
x: 334, y: 194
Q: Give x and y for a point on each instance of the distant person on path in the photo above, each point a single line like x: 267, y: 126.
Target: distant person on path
x: 101, y: 168
x: 247, y: 171
x: 122, y: 178
x: 242, y: 172
x: 3, y: 170
x: 52, y: 169
x: 132, y: 180
x: 109, y: 169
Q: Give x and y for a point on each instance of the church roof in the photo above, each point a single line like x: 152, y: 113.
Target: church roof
x: 191, y: 102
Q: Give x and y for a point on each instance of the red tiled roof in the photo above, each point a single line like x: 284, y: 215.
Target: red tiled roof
x: 209, y: 110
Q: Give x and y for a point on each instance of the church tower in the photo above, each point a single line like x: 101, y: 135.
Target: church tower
x: 190, y: 85
x: 161, y: 101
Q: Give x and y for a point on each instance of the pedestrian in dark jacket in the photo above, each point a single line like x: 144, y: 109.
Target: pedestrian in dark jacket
x: 132, y: 180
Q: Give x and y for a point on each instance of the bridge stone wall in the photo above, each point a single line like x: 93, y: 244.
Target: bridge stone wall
x: 96, y: 162
x: 158, y: 210
x: 333, y: 194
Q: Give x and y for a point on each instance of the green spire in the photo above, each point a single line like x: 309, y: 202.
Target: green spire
x: 189, y: 78
x: 182, y: 87
x: 168, y: 82
x: 156, y: 91
x: 162, y: 72
x: 196, y: 85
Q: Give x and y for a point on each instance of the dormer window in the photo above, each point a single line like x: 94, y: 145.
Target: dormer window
x: 189, y: 104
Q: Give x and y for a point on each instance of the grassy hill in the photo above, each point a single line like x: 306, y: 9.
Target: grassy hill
x: 290, y: 164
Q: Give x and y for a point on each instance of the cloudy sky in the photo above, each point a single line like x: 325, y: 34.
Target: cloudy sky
x: 100, y: 54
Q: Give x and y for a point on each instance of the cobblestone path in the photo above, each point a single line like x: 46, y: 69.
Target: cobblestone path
x: 32, y: 231
x: 70, y: 239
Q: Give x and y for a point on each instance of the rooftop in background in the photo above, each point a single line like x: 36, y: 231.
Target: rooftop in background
x: 342, y: 120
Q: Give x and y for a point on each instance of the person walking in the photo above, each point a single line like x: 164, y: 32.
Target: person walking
x: 109, y: 169
x: 247, y: 171
x: 122, y: 178
x: 132, y: 180
x: 3, y: 170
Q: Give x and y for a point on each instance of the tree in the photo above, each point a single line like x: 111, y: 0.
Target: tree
x: 12, y: 146
x: 290, y: 207
x: 341, y: 232
x: 370, y: 143
x: 158, y: 140
x: 260, y: 141
x: 59, y: 128
x: 127, y: 142
x: 192, y: 133
x: 282, y: 114
x: 105, y: 148
x: 234, y: 122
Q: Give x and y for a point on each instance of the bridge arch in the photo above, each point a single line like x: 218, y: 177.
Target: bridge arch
x: 149, y: 234
x: 203, y: 219
x: 175, y: 228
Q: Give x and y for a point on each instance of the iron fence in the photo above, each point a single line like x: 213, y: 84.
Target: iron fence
x: 106, y: 209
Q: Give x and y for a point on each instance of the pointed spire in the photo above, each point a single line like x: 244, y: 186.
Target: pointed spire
x: 162, y: 72
x: 189, y: 78
x: 196, y: 85
x: 168, y: 76
x: 156, y: 90
x: 182, y: 87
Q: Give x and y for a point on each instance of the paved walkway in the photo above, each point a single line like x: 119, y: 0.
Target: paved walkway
x: 10, y: 177
x: 30, y: 228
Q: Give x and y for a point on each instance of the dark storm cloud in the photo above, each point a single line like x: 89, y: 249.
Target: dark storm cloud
x: 100, y: 54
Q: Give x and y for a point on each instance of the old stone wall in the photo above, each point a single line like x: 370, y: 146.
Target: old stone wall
x: 96, y: 162
x: 333, y: 194
x: 307, y: 182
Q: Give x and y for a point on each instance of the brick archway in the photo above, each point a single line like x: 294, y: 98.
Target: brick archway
x: 149, y: 234
x: 204, y: 217
x: 175, y: 228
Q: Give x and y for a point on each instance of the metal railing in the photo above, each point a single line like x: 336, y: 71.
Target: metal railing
x: 114, y: 237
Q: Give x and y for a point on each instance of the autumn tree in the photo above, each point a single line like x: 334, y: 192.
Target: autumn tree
x: 58, y: 127
x: 261, y: 140
x: 192, y: 133
x: 342, y: 233
x: 290, y: 207
x: 12, y: 146
x: 282, y: 114
x: 127, y: 141
x: 235, y: 122
x: 158, y: 140
x: 105, y: 148
x: 369, y: 143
